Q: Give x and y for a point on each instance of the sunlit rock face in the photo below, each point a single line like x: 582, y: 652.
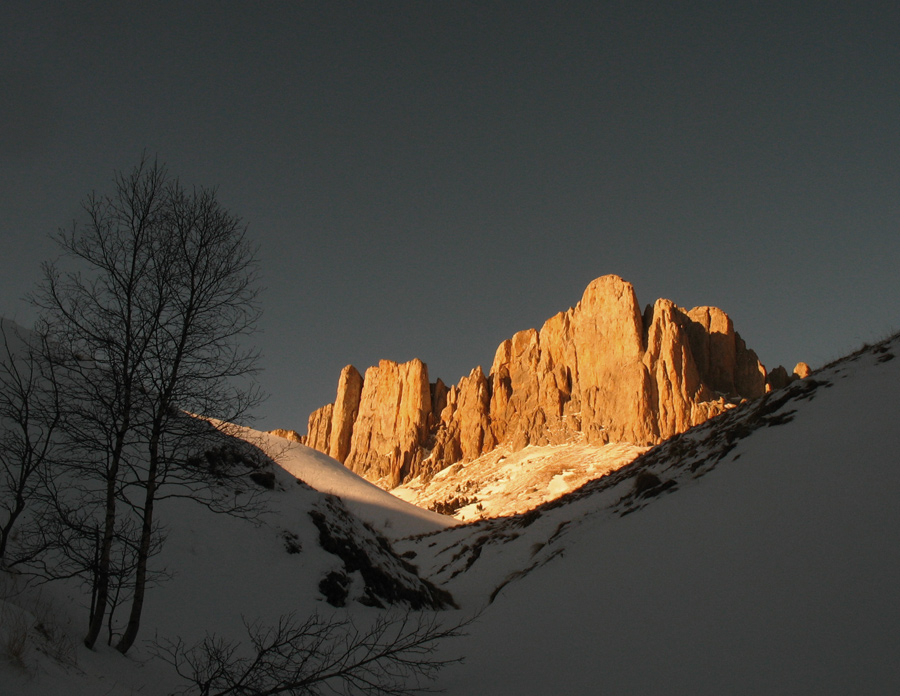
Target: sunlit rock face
x: 392, y: 423
x: 319, y: 428
x: 291, y: 435
x: 462, y: 430
x: 346, y: 410
x: 802, y: 370
x: 602, y: 371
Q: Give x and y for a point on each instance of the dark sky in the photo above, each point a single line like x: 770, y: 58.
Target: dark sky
x: 424, y: 179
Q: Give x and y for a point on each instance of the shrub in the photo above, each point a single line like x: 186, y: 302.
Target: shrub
x: 15, y: 636
x: 291, y: 542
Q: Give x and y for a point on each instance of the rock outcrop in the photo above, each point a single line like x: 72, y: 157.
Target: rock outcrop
x: 603, y: 371
x: 464, y: 426
x: 345, y: 412
x: 318, y: 429
x: 291, y: 435
x: 393, y: 421
x: 779, y: 377
x: 802, y: 370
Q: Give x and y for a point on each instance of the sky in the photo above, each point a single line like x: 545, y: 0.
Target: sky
x: 424, y: 179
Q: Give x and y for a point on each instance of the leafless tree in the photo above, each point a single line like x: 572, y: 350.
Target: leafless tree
x: 30, y: 416
x: 207, y: 275
x: 104, y: 312
x: 150, y: 317
x: 396, y: 654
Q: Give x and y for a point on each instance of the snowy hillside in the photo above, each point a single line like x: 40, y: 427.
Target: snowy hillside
x: 502, y: 482
x: 755, y: 554
x: 392, y: 517
x: 305, y: 551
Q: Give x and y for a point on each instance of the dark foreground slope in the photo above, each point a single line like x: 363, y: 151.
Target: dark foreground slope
x: 300, y: 552
x: 756, y: 554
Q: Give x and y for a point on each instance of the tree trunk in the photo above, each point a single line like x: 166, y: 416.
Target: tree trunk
x: 140, y: 576
x: 109, y: 524
x: 10, y: 523
x: 102, y: 571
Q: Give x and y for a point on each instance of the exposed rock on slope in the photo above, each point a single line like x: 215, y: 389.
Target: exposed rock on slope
x: 290, y: 435
x: 602, y: 371
x: 501, y: 483
x: 779, y: 377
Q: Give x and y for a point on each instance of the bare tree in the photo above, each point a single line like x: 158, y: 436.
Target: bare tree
x: 395, y: 655
x: 150, y: 319
x: 29, y: 419
x: 207, y: 274
x: 105, y: 320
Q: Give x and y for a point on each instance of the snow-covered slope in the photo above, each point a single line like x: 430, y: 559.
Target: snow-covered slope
x: 503, y: 482
x: 757, y: 554
x: 391, y: 516
x: 223, y: 571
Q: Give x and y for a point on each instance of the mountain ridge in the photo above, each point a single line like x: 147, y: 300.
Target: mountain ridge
x: 755, y: 553
x: 602, y: 371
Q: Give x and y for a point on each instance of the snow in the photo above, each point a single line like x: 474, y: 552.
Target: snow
x: 502, y: 482
x: 763, y: 560
x: 391, y: 516
x: 776, y: 573
x: 224, y: 570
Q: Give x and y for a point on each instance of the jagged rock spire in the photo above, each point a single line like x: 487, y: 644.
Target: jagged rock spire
x: 602, y: 371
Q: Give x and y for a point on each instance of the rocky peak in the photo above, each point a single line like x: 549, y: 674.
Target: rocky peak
x: 392, y: 422
x: 600, y: 372
x: 346, y: 410
x: 779, y: 377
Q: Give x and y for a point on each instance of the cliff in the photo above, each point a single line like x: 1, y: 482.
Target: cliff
x: 603, y: 371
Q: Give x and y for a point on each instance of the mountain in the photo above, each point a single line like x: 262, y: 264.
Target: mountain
x: 600, y: 372
x: 754, y: 553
